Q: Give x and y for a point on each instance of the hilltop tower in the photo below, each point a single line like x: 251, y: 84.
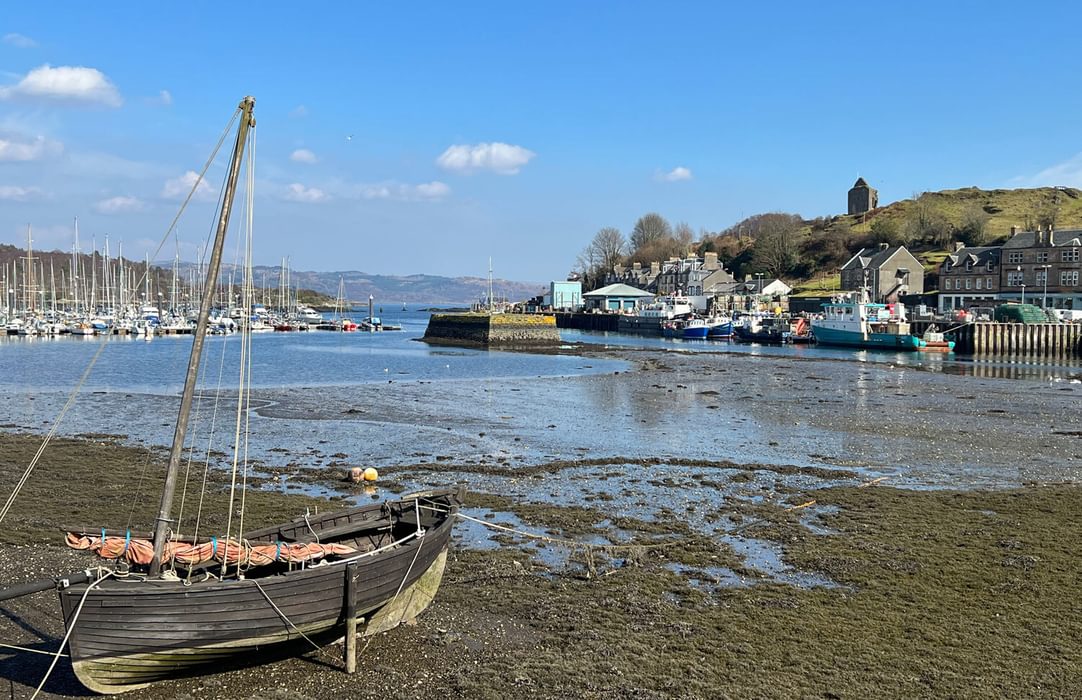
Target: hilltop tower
x: 862, y: 197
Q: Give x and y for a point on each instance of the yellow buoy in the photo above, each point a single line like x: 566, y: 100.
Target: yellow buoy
x: 370, y: 474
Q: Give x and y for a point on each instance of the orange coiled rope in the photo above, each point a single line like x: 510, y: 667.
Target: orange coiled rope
x: 139, y: 551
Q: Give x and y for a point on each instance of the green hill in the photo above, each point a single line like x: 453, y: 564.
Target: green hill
x: 928, y: 224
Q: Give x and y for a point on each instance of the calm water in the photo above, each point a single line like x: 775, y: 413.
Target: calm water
x: 322, y: 400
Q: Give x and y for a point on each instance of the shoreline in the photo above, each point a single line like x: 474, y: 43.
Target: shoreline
x: 711, y: 576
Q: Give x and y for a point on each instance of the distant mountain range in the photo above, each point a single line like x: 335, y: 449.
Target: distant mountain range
x: 387, y: 289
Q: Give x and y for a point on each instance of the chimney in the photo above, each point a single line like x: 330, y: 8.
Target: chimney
x: 710, y: 261
x: 655, y: 268
x: 1014, y: 230
x: 618, y: 269
x: 636, y: 266
x: 958, y: 245
x: 884, y: 246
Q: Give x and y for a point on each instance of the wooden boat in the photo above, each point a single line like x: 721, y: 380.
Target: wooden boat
x: 127, y: 632
x: 367, y: 568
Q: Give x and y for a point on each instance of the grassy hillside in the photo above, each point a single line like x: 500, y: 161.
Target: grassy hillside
x: 929, y: 225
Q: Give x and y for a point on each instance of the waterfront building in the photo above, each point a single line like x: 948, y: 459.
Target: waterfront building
x: 969, y: 278
x: 1044, y: 267
x: 886, y: 271
x: 615, y: 297
x: 564, y: 296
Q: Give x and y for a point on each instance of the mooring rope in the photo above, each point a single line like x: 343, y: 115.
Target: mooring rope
x: 287, y: 620
x: 71, y: 628
x: 49, y: 436
x: 32, y: 651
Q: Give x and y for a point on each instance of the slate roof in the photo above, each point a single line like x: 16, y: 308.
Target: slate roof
x: 860, y: 183
x: 870, y: 258
x: 979, y: 255
x: 1061, y: 237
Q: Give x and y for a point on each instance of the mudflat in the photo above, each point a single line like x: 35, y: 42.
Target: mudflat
x: 883, y: 591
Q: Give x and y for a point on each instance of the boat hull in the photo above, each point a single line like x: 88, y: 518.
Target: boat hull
x: 853, y: 339
x: 131, y: 633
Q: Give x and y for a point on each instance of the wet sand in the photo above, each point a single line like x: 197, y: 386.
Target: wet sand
x: 879, y: 590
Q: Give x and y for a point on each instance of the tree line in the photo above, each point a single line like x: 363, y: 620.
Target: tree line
x: 785, y: 245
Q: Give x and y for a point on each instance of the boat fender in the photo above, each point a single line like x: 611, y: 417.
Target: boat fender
x: 127, y: 541
x: 214, y: 549
x: 277, y: 550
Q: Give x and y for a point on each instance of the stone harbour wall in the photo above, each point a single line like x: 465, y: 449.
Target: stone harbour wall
x: 493, y: 329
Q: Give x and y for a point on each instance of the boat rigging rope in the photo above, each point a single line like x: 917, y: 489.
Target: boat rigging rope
x: 191, y: 193
x: 49, y: 436
x: 71, y: 628
x: 245, y: 379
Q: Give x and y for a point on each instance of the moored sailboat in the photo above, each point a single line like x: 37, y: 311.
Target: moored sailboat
x: 171, y: 606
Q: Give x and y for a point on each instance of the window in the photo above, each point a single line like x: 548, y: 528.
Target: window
x: 1069, y: 255
x: 969, y: 283
x: 988, y: 283
x: 969, y: 265
x: 1015, y: 257
x: 990, y: 266
x: 1014, y: 278
x: 1040, y: 277
x: 1069, y: 278
x: 979, y: 280
x: 1042, y: 256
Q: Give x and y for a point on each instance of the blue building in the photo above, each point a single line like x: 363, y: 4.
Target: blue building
x: 564, y: 296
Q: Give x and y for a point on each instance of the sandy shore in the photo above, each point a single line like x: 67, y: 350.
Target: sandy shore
x: 885, y: 591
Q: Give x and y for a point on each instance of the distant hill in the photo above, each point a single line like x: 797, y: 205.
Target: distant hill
x: 317, y: 287
x: 387, y: 289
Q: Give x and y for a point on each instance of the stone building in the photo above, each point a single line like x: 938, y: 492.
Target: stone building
x: 862, y: 197
x: 969, y: 277
x: 885, y: 271
x: 1043, y: 267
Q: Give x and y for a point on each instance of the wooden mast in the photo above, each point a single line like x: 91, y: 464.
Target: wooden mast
x: 163, y: 523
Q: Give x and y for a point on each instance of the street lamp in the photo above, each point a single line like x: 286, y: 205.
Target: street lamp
x: 758, y: 290
x: 1021, y: 283
x: 1044, y: 297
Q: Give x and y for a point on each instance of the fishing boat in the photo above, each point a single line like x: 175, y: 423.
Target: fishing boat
x: 169, y: 605
x: 720, y: 328
x: 769, y: 330
x: 851, y: 320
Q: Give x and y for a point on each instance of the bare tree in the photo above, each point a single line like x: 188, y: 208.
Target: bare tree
x: 684, y: 237
x: 609, y: 247
x: 974, y: 224
x: 650, y: 228
x: 776, y: 247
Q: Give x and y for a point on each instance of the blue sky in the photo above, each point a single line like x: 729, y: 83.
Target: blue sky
x: 516, y: 131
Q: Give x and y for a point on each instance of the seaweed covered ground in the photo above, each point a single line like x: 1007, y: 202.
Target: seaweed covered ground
x: 920, y: 593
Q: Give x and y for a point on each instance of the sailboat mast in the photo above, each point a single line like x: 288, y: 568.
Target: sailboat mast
x: 164, y: 521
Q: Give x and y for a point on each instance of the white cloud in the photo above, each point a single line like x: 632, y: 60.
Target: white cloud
x: 19, y: 41
x: 179, y: 187
x: 65, y: 84
x: 298, y: 112
x: 19, y: 148
x: 303, y: 155
x: 402, y: 192
x: 677, y: 174
x: 308, y: 195
x: 14, y: 193
x: 432, y: 190
x: 118, y: 205
x: 1065, y: 174
x: 501, y: 158
x: 165, y: 98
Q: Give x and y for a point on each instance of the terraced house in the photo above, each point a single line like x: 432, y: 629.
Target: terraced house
x: 969, y: 278
x: 1043, y: 267
x: 1039, y: 267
